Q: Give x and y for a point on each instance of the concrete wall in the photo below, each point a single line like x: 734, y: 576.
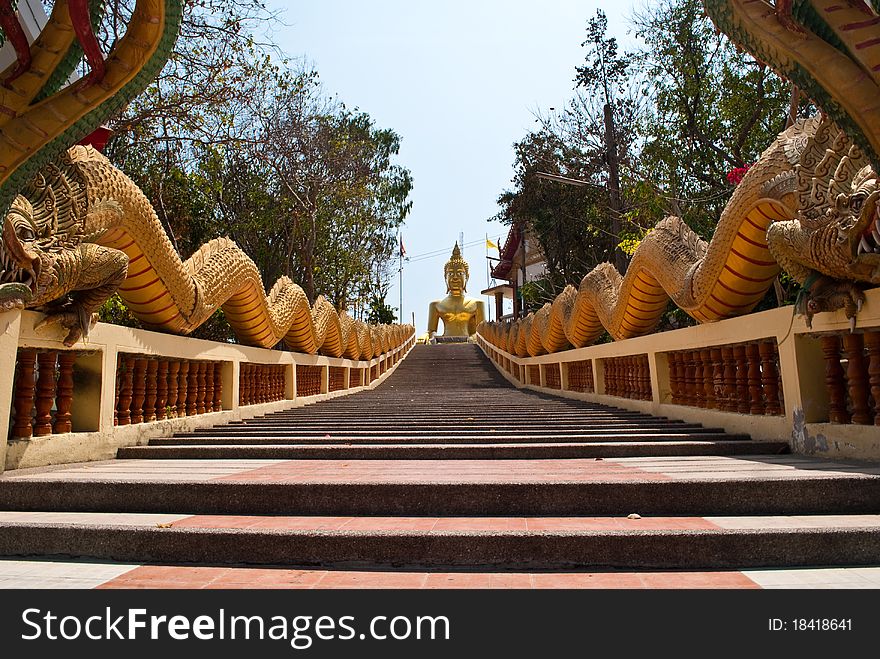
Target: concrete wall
x: 94, y: 388
x: 801, y: 365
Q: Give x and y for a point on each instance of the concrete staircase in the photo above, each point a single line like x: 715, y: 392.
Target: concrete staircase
x: 446, y: 464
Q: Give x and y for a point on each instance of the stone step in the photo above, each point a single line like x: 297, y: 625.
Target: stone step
x: 444, y: 421
x: 354, y: 422
x: 509, y: 543
x: 271, y: 496
x: 487, y: 438
x: 326, y: 451
x: 413, y: 474
x: 363, y: 410
x: 405, y: 431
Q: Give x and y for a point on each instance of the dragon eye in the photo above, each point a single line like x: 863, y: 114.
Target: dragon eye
x: 856, y: 202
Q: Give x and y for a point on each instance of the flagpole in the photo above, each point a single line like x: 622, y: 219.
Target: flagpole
x: 400, y: 254
x: 488, y: 299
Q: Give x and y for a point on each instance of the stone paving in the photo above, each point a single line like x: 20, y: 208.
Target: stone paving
x: 536, y: 515
x: 83, y: 574
x: 689, y: 468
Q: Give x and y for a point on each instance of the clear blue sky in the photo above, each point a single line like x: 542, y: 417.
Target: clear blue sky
x: 460, y: 82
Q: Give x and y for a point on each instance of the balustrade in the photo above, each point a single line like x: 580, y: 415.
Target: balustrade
x: 337, y: 378
x: 627, y: 377
x: 158, y: 388
x: 535, y: 375
x: 580, y: 376
x: 308, y: 380
x: 43, y: 393
x: 356, y: 378
x: 552, y: 376
x: 852, y: 377
x: 740, y: 378
x: 261, y: 383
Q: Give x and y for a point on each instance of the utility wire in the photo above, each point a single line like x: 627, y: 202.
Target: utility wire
x: 442, y: 252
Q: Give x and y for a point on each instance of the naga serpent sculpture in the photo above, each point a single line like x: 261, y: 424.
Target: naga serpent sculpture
x: 76, y: 229
x: 809, y: 204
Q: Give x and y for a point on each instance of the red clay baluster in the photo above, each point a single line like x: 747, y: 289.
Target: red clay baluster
x: 182, y: 389
x: 173, y: 387
x: 209, y: 387
x: 162, y: 390
x: 708, y: 378
x: 872, y: 346
x: 126, y: 389
x: 201, y: 379
x: 857, y: 378
x: 192, y: 389
x: 248, y: 383
x: 64, y: 399
x: 139, y: 390
x: 770, y: 377
x: 690, y: 390
x: 25, y: 385
x: 45, y: 393
x: 728, y: 379
x: 742, y: 378
x: 756, y: 392
x: 834, y: 380
x: 150, y: 393
x: 218, y: 387
x: 717, y: 378
x: 699, y: 385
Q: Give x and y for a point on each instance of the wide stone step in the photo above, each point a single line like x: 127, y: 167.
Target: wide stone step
x: 801, y: 496
x: 326, y: 451
x: 401, y: 416
x: 372, y: 424
x: 487, y: 438
x: 405, y: 431
x: 532, y: 543
x: 367, y: 419
x: 378, y: 410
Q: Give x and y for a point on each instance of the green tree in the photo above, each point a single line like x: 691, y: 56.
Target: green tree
x: 568, y: 221
x: 713, y: 109
x: 380, y: 312
x: 676, y: 118
x: 233, y: 140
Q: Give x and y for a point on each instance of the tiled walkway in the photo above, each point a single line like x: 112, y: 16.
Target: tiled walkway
x: 431, y: 524
x: 453, y: 471
x: 91, y: 574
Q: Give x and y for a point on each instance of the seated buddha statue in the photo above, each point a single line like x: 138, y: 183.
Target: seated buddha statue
x: 460, y: 314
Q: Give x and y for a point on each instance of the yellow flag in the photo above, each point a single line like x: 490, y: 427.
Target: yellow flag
x: 490, y: 244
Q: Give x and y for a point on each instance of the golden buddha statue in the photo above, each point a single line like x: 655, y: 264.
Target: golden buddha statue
x: 460, y: 314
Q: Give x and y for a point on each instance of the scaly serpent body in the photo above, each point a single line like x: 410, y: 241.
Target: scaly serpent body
x: 710, y: 281
x: 89, y: 212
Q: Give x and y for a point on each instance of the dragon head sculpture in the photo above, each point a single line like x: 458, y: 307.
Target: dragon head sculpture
x: 857, y: 217
x: 45, y: 265
x: 20, y: 264
x: 832, y: 247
